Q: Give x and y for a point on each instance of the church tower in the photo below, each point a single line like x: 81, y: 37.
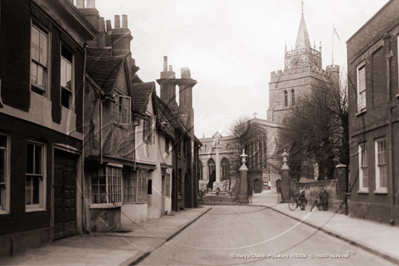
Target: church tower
x: 302, y: 73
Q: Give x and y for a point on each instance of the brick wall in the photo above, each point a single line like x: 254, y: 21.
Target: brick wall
x: 15, y: 66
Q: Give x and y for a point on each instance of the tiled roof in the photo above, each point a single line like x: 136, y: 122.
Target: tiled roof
x: 141, y: 96
x: 99, y: 52
x: 104, y: 70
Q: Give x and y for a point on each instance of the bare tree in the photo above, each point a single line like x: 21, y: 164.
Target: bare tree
x: 318, y: 128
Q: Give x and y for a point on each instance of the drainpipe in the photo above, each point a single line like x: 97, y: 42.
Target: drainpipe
x: 84, y: 220
x: 101, y: 129
x: 390, y: 105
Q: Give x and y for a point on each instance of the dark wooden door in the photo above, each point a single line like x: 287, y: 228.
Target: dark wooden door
x: 64, y: 195
x: 258, y: 186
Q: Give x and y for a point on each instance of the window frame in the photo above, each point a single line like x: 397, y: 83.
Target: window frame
x: 225, y: 169
x: 139, y: 179
x: 285, y: 98
x: 121, y: 108
x: 292, y: 97
x: 5, y: 185
x: 34, y: 87
x: 363, y: 168
x: 378, y: 164
x: 113, y: 187
x: 148, y: 130
x: 361, y: 106
x: 41, y: 206
x: 72, y: 90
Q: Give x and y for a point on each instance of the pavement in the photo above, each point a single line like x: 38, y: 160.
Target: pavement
x: 377, y: 238
x: 127, y: 246
x: 134, y: 242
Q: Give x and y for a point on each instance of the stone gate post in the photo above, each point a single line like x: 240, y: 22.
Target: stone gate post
x: 285, y: 178
x: 243, y: 198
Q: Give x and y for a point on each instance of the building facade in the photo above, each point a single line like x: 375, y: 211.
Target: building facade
x: 41, y: 129
x: 263, y: 159
x: 374, y: 116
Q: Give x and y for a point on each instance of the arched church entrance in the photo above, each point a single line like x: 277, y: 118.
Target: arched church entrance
x: 258, y: 186
x: 212, y: 174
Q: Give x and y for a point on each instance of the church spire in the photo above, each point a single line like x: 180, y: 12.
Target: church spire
x: 302, y: 39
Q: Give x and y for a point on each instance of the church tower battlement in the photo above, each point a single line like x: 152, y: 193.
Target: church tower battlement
x: 302, y: 73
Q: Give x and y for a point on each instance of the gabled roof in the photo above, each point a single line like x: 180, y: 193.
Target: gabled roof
x: 141, y: 96
x: 302, y: 39
x: 104, y: 70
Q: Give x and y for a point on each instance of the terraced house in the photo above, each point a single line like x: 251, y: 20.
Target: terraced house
x: 41, y: 114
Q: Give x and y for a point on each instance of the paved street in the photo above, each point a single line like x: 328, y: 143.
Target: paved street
x: 226, y: 234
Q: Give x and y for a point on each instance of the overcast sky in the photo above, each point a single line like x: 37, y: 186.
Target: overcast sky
x: 231, y: 46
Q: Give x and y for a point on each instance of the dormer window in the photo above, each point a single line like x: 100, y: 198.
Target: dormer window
x: 124, y: 109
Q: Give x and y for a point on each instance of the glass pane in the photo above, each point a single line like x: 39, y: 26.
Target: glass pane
x: 3, y: 141
x: 29, y: 159
x: 69, y: 75
x: 28, y: 190
x: 38, y: 160
x: 35, y: 44
x: 43, y: 49
x: 2, y: 166
x: 63, y: 72
x: 35, y: 183
x: 40, y: 75
x: 33, y: 72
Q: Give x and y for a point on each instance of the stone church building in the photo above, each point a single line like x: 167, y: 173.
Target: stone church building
x: 302, y: 73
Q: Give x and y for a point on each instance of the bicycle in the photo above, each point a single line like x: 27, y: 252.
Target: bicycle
x: 295, y: 202
x: 319, y: 204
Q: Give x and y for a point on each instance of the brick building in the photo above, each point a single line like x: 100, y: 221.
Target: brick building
x: 186, y: 146
x: 374, y: 116
x: 42, y: 53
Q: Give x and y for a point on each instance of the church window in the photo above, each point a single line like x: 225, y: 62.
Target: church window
x: 212, y: 168
x: 199, y: 172
x: 293, y: 96
x: 361, y: 87
x: 225, y: 169
x: 285, y: 98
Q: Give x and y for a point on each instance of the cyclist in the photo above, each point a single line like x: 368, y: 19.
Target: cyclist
x: 301, y: 194
x: 321, y: 199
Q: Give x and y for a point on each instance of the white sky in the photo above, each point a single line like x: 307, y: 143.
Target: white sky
x: 231, y: 46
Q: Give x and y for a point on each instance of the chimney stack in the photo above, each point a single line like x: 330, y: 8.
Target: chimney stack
x: 102, y: 24
x: 165, y: 63
x: 91, y: 4
x: 121, y: 37
x: 124, y: 21
x: 117, y: 21
x: 185, y: 73
x: 80, y: 3
x: 168, y: 85
x: 90, y: 12
x: 109, y: 25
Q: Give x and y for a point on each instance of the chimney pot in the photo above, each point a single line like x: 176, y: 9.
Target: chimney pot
x: 80, y: 3
x: 185, y: 73
x: 102, y: 24
x: 117, y: 21
x: 165, y: 63
x: 124, y: 21
x: 170, y: 68
x: 91, y: 4
x: 109, y: 26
